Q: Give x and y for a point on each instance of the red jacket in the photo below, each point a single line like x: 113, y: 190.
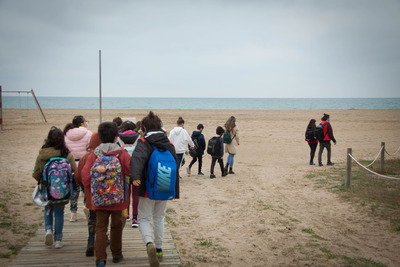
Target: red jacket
x: 328, y: 131
x: 124, y: 159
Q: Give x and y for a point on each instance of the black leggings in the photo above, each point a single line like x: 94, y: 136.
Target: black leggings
x: 313, y: 147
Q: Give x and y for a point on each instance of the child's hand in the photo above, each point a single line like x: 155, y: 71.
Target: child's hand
x: 136, y: 182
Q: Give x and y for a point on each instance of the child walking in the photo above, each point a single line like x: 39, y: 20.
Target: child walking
x: 199, y: 137
x: 151, y: 209
x: 108, y: 133
x: 218, y: 157
x: 54, y: 146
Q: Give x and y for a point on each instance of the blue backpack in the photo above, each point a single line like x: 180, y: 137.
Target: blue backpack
x: 161, y: 179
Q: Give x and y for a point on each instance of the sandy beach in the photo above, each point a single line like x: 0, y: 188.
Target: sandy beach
x: 252, y: 218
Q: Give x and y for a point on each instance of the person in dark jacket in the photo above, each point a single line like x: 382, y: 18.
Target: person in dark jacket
x: 326, y: 142
x: 197, y: 135
x: 219, y: 131
x: 128, y: 136
x: 311, y: 140
x: 151, y: 209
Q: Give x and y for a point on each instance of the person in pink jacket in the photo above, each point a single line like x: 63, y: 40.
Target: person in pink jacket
x: 77, y: 138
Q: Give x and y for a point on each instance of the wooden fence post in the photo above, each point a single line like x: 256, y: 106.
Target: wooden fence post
x: 382, y: 156
x: 348, y: 169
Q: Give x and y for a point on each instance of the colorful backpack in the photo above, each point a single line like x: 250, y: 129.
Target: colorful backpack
x: 161, y: 175
x: 57, y: 180
x: 108, y: 185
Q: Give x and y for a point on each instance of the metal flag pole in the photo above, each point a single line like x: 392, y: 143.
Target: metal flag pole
x: 100, y: 84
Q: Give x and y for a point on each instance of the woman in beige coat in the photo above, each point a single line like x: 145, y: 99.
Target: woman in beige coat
x: 230, y: 126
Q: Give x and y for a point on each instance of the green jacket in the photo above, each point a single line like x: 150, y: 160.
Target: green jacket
x: 44, y: 155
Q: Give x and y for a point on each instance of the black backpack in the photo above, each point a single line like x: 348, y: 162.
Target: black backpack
x: 213, y: 146
x: 310, y: 135
x: 319, y: 132
x: 196, y: 151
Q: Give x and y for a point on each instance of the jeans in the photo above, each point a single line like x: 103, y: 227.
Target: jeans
x: 229, y: 160
x: 200, y: 158
x: 322, y: 145
x: 152, y: 209
x: 58, y: 212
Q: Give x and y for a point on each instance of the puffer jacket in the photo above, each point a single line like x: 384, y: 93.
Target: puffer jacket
x: 142, y: 154
x: 231, y: 148
x: 77, y: 141
x: 328, y: 131
x: 108, y: 149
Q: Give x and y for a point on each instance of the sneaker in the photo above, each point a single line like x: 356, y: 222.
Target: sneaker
x: 212, y: 176
x: 330, y: 164
x: 312, y: 163
x: 160, y: 256
x: 224, y: 174
x: 58, y: 244
x: 118, y: 259
x: 135, y: 223
x: 200, y: 174
x: 101, y: 264
x: 49, y: 238
x: 127, y: 219
x: 152, y: 255
x: 74, y: 217
x: 188, y: 170
x: 320, y: 164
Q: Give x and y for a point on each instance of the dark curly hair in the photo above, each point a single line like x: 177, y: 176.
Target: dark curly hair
x: 55, y: 138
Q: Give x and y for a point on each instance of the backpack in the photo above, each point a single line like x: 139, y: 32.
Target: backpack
x: 161, y: 174
x: 57, y: 180
x: 197, y: 150
x: 213, y: 146
x: 319, y: 132
x: 310, y: 135
x: 227, y: 137
x: 128, y: 147
x: 107, y: 183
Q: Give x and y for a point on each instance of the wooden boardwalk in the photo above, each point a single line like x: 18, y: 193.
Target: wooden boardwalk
x: 75, y: 235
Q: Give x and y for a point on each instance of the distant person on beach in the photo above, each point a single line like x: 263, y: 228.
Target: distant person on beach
x: 311, y: 140
x: 199, y: 137
x: 54, y: 146
x: 149, y: 209
x: 93, y: 144
x: 118, y: 122
x: 106, y: 205
x: 219, y: 156
x: 179, y: 137
x: 326, y: 142
x: 230, y: 148
x: 127, y: 139
x: 77, y: 138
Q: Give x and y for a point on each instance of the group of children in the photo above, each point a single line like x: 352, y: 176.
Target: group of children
x: 132, y: 146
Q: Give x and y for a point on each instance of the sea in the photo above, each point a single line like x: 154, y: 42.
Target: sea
x: 153, y: 103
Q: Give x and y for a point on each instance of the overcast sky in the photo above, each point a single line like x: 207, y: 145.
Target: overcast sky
x: 209, y: 48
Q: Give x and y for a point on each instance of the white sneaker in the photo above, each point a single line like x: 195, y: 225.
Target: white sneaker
x: 58, y: 244
x: 74, y: 217
x: 49, y: 238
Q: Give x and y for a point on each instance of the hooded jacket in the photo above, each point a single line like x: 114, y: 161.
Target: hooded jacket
x: 200, y: 140
x: 178, y: 136
x: 44, y: 155
x: 328, y: 131
x: 129, y: 137
x: 142, y: 154
x: 93, y: 144
x: 77, y: 141
x: 108, y: 149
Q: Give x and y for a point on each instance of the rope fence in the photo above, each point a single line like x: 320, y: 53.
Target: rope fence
x: 381, y: 153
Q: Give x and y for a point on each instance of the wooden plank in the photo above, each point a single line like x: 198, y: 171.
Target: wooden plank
x: 75, y: 235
